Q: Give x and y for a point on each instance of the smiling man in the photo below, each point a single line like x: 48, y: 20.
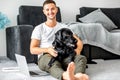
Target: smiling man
x: 41, y: 44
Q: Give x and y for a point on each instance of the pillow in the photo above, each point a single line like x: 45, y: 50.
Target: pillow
x: 98, y: 16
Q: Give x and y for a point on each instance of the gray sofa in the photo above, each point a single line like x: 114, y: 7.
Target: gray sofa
x: 95, y: 52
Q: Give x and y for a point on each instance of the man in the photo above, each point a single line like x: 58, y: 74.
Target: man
x: 41, y: 44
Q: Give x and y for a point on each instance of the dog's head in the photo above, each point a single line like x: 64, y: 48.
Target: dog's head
x: 64, y: 37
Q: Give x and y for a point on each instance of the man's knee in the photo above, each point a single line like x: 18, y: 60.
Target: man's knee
x: 79, y: 58
x: 43, y: 62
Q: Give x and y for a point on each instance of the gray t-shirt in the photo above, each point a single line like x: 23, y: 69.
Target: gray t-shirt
x: 46, y: 34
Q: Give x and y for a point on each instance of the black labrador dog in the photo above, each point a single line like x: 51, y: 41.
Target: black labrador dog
x: 65, y: 45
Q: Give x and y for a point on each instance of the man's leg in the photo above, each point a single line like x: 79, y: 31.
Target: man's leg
x: 80, y: 64
x: 55, y: 70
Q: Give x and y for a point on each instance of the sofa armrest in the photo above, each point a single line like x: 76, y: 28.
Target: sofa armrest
x: 18, y: 41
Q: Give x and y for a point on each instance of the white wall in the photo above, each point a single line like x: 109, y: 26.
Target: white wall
x: 69, y: 9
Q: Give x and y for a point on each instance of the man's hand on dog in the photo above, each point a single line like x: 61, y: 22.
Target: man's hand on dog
x: 52, y: 52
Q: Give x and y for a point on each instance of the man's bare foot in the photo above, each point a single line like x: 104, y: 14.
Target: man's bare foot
x: 69, y: 74
x: 80, y: 76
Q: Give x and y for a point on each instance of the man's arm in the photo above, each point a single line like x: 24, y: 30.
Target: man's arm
x: 35, y: 48
x: 79, y: 45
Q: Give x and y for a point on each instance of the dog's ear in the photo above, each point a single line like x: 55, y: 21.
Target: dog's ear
x: 54, y: 43
x: 57, y: 43
x: 58, y: 35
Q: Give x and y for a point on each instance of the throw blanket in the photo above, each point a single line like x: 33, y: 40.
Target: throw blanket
x: 95, y: 34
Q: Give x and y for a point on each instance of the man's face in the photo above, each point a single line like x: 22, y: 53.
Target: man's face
x: 50, y: 10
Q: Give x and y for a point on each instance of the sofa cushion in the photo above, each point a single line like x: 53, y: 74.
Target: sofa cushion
x: 36, y: 19
x: 98, y: 16
x: 112, y: 13
x: 28, y: 15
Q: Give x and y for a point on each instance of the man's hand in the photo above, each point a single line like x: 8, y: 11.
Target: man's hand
x: 52, y: 52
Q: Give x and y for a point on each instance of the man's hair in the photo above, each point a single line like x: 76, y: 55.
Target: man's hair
x: 48, y: 2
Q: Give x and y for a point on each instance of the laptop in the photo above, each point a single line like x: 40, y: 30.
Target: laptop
x: 23, y: 67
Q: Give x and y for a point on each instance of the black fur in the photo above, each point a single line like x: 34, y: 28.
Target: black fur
x: 64, y: 44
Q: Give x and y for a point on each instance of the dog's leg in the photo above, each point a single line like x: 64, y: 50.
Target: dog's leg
x: 51, y: 61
